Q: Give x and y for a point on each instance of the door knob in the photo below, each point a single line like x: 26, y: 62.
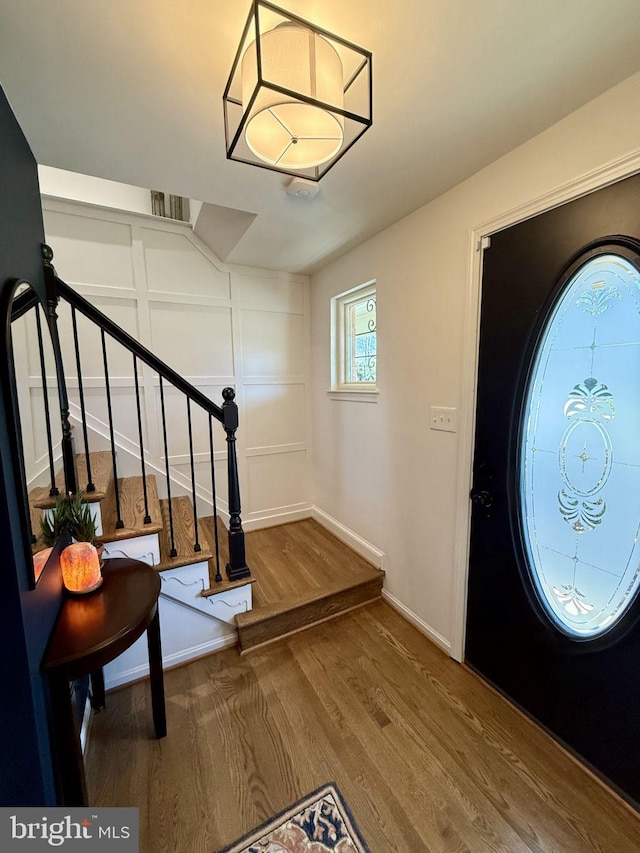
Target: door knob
x: 482, y: 498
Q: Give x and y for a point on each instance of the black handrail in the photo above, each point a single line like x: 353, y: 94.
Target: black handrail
x: 137, y: 349
x: 227, y: 415
x: 23, y: 303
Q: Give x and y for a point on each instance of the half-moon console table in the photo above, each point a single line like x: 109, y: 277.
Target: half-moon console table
x: 92, y: 630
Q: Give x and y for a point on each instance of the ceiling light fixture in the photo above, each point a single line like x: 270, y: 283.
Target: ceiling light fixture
x: 298, y: 96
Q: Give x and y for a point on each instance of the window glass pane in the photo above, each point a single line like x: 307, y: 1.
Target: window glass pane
x: 361, y: 340
x: 580, y: 454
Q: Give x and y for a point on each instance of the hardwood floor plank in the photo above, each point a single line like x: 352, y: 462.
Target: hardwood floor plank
x: 484, y: 748
x: 443, y: 811
x: 336, y: 753
x: 427, y: 756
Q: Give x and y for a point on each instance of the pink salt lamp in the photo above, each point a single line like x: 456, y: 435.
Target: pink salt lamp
x: 40, y: 561
x: 80, y: 566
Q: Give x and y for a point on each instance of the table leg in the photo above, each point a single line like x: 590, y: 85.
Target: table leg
x: 66, y: 743
x: 97, y: 690
x: 157, y: 676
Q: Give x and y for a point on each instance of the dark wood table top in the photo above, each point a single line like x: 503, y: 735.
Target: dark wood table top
x: 95, y: 628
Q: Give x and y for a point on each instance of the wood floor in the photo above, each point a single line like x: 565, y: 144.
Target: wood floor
x: 428, y: 758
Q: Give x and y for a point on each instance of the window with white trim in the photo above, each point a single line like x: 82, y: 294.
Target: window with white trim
x: 354, y: 342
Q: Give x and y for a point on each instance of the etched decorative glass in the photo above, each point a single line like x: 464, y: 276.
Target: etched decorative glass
x: 580, y: 453
x: 361, y: 340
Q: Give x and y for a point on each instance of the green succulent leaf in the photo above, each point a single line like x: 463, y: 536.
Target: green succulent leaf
x: 71, y: 514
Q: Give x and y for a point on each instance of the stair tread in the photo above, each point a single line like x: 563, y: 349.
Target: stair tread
x: 132, y: 510
x: 304, y: 575
x: 268, y: 611
x: 102, y: 474
x: 183, y: 535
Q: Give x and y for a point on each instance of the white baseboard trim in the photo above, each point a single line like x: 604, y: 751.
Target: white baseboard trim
x: 349, y: 537
x: 274, y: 517
x: 417, y: 622
x: 175, y: 659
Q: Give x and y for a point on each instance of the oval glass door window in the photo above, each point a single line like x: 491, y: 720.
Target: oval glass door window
x: 580, y: 451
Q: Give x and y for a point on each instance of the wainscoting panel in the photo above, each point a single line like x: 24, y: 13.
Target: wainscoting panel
x: 175, y: 265
x: 273, y: 344
x: 215, y: 324
x: 275, y: 414
x: 194, y: 340
x: 276, y: 480
x: 270, y: 293
x: 91, y: 249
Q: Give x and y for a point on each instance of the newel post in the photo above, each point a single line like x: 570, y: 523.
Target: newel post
x: 237, y: 566
x: 69, y: 461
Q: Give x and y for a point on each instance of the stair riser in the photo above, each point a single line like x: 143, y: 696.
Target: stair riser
x: 143, y: 548
x: 280, y: 625
x: 186, y: 584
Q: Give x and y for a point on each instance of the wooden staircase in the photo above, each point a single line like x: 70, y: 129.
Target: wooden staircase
x: 301, y: 574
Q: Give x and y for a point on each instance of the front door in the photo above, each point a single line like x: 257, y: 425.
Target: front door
x: 554, y: 572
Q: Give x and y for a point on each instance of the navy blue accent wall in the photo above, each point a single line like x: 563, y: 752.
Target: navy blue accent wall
x: 26, y: 616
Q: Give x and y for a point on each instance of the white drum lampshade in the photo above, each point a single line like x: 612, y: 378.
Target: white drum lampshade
x: 283, y: 129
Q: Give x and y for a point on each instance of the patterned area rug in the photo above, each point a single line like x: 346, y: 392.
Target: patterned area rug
x: 319, y: 823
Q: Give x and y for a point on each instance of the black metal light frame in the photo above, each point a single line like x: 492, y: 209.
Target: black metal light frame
x: 358, y: 121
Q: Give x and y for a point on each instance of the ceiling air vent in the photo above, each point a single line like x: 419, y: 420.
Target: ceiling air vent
x: 170, y: 206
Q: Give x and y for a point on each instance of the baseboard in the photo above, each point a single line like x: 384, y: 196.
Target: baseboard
x: 417, y: 622
x: 275, y: 517
x: 349, y: 537
x: 176, y: 659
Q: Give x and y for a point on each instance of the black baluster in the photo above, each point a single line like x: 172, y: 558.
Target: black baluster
x: 147, y: 517
x: 173, y: 552
x: 90, y: 484
x: 119, y: 521
x: 69, y: 459
x: 53, y: 491
x: 218, y: 576
x: 196, y: 545
x: 237, y: 566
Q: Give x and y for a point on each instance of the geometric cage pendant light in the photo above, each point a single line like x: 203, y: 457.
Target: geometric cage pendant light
x: 298, y: 96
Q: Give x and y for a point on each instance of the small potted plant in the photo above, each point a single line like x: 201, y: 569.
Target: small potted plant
x: 80, y: 562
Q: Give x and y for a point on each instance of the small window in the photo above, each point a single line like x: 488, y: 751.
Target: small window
x: 355, y: 342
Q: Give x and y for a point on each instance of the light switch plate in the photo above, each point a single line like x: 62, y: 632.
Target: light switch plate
x: 444, y: 418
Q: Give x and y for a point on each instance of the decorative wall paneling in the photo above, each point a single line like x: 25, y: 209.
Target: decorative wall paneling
x: 217, y: 325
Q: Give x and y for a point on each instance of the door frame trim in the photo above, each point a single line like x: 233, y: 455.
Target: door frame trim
x: 609, y: 173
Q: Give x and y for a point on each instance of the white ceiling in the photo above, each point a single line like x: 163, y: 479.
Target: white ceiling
x: 131, y: 90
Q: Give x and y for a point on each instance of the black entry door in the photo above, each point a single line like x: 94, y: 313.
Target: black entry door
x: 583, y: 687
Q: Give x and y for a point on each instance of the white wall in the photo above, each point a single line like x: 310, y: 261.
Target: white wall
x: 378, y: 468
x: 60, y: 183
x: 216, y: 325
